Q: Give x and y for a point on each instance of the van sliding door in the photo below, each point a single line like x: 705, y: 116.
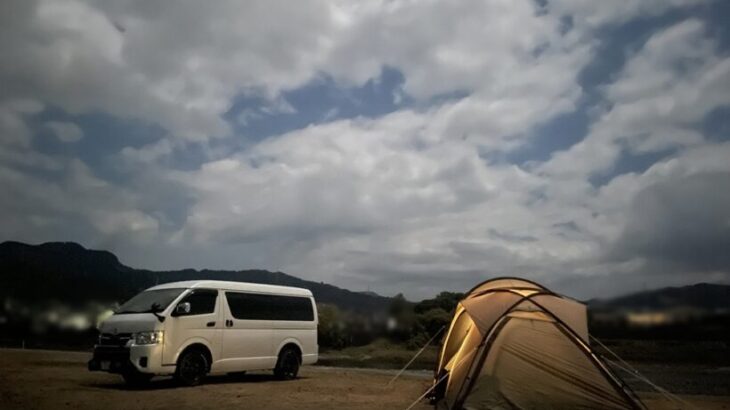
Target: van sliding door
x: 247, y: 334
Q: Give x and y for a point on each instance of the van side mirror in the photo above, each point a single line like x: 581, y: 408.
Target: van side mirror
x: 182, y: 309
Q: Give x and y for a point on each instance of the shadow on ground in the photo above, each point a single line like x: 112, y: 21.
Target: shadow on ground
x: 167, y: 383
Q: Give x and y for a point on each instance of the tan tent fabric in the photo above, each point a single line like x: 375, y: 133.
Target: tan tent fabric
x: 514, y: 344
x: 572, y: 313
x: 499, y: 303
x: 460, y: 327
x: 458, y: 366
x: 505, y: 283
x: 534, y: 365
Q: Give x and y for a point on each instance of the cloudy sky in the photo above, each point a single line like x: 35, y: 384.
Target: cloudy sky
x: 401, y: 146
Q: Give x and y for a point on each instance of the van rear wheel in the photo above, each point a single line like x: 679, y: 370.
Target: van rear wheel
x: 287, y: 367
x: 192, y: 366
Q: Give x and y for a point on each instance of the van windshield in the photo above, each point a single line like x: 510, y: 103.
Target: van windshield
x: 150, y: 301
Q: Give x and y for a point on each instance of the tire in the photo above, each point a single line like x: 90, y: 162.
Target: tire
x: 287, y: 366
x: 192, y: 367
x: 136, y: 379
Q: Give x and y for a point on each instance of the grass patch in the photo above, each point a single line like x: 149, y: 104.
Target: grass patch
x: 715, y: 353
x: 381, y: 354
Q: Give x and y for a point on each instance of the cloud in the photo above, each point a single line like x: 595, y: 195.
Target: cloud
x: 443, y: 47
x: 180, y: 65
x: 149, y: 153
x: 417, y: 200
x: 13, y: 129
x: 592, y: 14
x: 682, y: 224
x: 176, y: 65
x: 65, y: 131
x: 88, y: 56
x: 72, y: 205
x: 348, y: 198
x: 663, y: 91
x: 16, y: 136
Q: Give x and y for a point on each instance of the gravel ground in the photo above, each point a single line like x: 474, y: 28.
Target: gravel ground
x: 40, y: 379
x: 682, y: 379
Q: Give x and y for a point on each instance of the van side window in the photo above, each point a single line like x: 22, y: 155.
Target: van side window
x: 250, y: 306
x: 291, y: 308
x: 202, y: 301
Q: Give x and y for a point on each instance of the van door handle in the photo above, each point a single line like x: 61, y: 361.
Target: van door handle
x: 210, y: 324
x: 229, y: 323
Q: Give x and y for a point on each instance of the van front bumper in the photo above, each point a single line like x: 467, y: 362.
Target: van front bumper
x: 110, y: 359
x: 120, y: 359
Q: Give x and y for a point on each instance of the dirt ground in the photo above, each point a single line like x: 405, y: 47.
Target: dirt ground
x: 38, y: 379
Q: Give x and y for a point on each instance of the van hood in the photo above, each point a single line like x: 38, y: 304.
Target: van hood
x: 130, y: 323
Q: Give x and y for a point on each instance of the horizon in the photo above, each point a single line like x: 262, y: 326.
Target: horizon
x: 386, y: 145
x: 388, y: 295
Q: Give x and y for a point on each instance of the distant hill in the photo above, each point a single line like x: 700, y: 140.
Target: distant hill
x: 698, y: 312
x: 69, y: 273
x: 703, y: 296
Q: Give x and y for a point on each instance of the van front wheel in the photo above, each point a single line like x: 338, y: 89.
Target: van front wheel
x: 192, y: 367
x: 287, y: 366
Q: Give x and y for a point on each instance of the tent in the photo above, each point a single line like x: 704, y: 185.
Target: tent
x: 513, y: 344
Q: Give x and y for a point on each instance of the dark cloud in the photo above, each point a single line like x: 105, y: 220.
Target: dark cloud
x: 680, y: 224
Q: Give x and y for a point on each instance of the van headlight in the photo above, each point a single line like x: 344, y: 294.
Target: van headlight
x: 148, y: 338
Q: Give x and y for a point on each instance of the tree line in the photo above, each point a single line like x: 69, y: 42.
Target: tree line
x: 407, y: 323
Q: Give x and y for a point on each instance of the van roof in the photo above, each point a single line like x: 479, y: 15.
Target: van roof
x: 241, y: 286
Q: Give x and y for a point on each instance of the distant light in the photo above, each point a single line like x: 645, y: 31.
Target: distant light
x: 649, y: 318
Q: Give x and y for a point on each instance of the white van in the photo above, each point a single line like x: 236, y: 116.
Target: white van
x: 191, y: 329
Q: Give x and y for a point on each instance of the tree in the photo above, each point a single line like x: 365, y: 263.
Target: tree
x: 433, y: 320
x: 331, y: 329
x: 402, y: 315
x: 444, y: 300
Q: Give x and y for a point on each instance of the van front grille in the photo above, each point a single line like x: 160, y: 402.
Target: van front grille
x: 119, y: 339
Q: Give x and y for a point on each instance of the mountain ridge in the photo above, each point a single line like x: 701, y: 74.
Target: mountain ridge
x: 70, y: 273
x: 705, y: 296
